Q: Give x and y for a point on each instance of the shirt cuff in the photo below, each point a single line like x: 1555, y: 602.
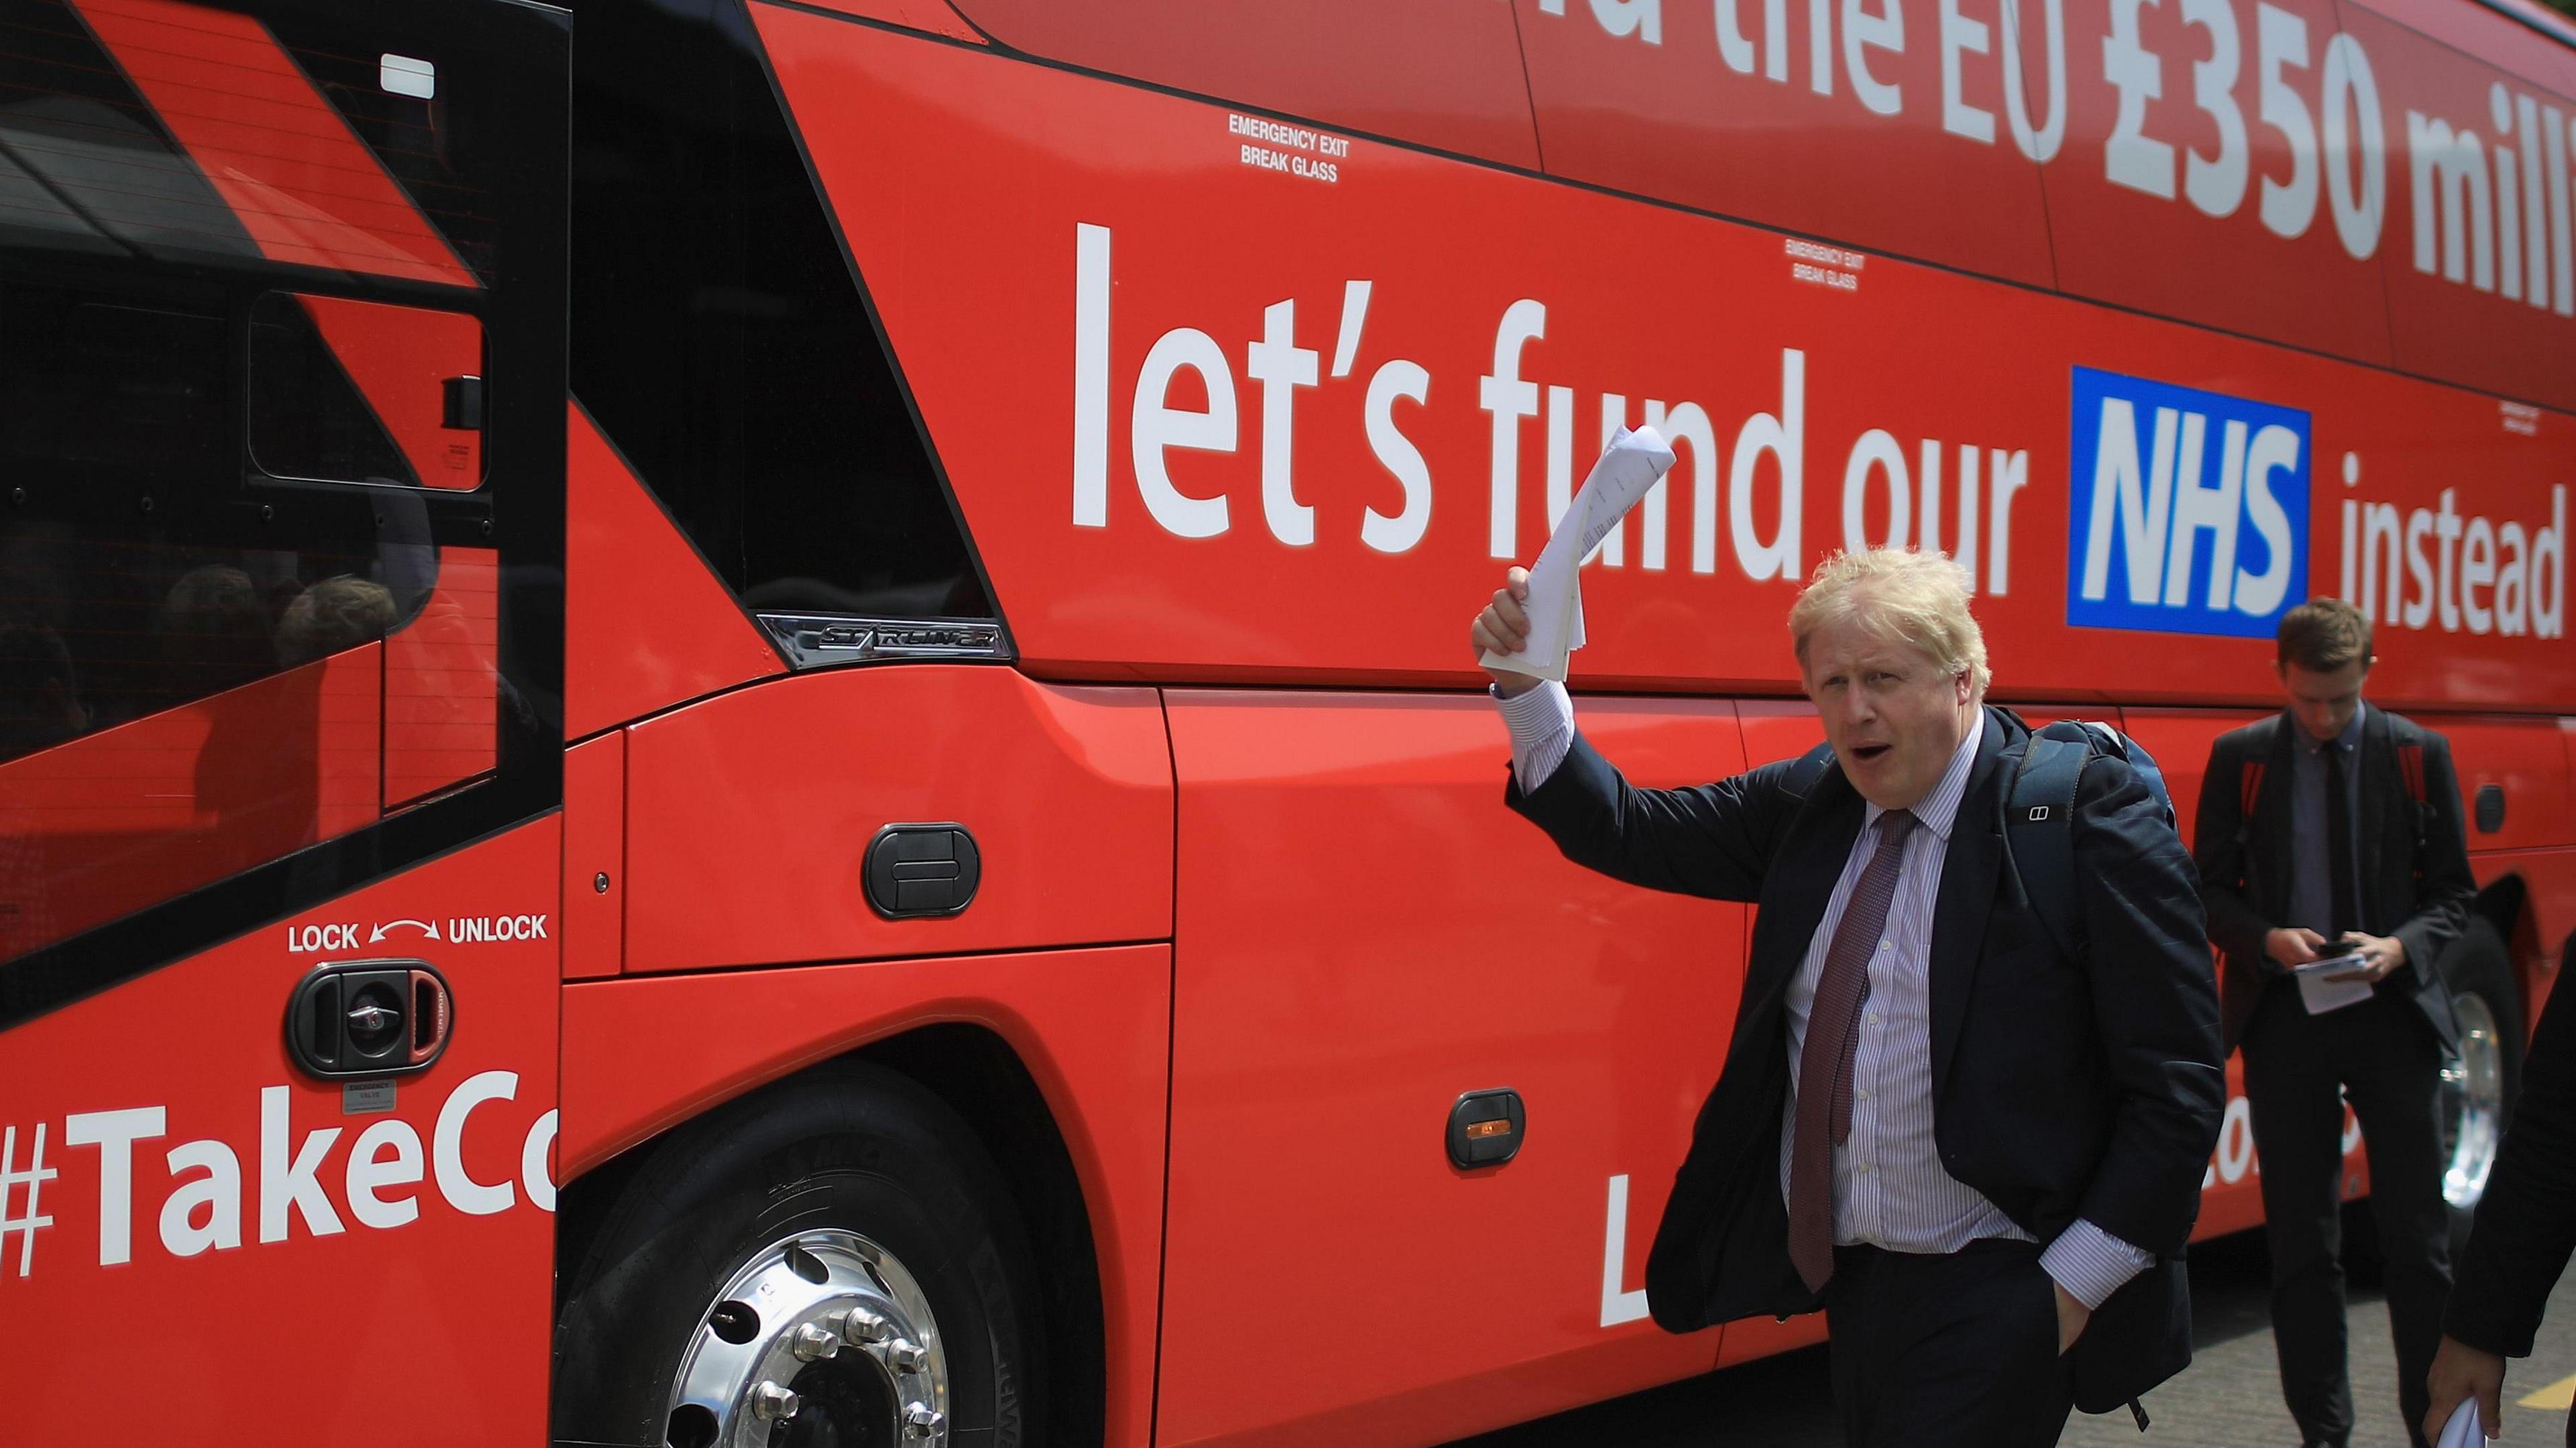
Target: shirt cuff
x: 1541, y: 722
x: 2091, y: 1264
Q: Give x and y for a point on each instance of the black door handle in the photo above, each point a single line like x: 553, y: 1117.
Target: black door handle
x: 369, y: 1018
x: 919, y: 871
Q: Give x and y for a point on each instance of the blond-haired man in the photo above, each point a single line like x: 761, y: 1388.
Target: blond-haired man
x: 1979, y: 1155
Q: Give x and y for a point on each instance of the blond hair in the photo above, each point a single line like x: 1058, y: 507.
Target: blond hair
x: 1899, y: 596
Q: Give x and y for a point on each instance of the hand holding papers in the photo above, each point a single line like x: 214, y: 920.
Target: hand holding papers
x: 2464, y: 1430
x: 1628, y: 467
x: 2329, y: 983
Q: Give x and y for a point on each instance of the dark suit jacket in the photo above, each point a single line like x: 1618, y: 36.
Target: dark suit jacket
x: 2526, y: 1223
x: 2420, y: 897
x: 2064, y: 1088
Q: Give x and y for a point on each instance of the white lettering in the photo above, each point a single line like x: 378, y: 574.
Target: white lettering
x: 1863, y: 32
x: 1281, y: 367
x: 1643, y: 19
x: 1402, y: 460
x: 447, y: 1141
x: 2141, y: 496
x: 2129, y: 158
x: 1960, y: 35
x: 114, y: 1134
x: 2450, y: 176
x: 1783, y: 437
x: 370, y: 1170
x: 2009, y: 473
x: 2350, y: 105
x: 286, y: 1186
x: 2038, y: 143
x: 1686, y: 429
x: 1618, y: 1306
x: 2258, y: 594
x: 2477, y: 571
x: 2216, y: 184
x: 1877, y: 451
x: 1509, y: 399
x: 1158, y: 427
x: 536, y: 1159
x: 2198, y: 508
x: 218, y: 1193
x: 1091, y: 376
x: 2281, y: 42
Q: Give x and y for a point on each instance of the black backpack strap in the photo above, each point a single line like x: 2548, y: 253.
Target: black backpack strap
x: 2039, y: 828
x: 1809, y: 767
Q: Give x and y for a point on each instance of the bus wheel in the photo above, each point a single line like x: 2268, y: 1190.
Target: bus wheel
x: 829, y: 1263
x: 2480, y: 1081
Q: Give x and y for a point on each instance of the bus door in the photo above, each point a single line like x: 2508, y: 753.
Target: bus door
x: 281, y: 520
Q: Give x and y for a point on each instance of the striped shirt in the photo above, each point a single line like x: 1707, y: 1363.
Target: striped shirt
x: 1890, y: 1189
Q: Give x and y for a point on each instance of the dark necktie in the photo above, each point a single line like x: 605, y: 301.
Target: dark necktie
x: 2347, y: 916
x: 1825, y: 1061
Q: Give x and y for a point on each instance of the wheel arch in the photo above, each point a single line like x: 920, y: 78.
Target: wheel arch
x: 2505, y: 902
x: 976, y: 1073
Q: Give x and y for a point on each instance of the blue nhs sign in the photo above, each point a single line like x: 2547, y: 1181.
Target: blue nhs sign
x: 2189, y: 509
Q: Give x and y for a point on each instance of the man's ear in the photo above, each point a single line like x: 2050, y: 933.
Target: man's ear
x: 1966, y: 689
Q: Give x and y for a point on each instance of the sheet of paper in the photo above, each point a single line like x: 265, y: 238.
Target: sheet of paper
x: 2322, y: 995
x: 1628, y: 467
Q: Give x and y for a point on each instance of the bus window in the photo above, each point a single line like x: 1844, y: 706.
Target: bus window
x: 721, y: 342
x: 365, y: 392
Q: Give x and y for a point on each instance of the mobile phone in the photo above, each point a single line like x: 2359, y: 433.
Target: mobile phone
x: 2333, y: 965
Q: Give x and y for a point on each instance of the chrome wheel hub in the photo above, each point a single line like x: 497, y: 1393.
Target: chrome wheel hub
x: 2472, y: 1103
x: 821, y: 1338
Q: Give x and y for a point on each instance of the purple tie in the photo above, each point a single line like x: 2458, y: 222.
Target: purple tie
x: 1825, y: 1062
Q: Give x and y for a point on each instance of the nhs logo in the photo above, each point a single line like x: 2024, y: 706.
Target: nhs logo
x: 2189, y: 511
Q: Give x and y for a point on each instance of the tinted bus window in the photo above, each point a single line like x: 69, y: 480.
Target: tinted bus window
x: 253, y: 579
x: 719, y: 337
x: 365, y: 392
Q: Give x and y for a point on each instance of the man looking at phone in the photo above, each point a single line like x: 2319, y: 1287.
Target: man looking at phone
x: 2335, y: 871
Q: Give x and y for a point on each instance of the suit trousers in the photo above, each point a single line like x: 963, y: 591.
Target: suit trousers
x: 1956, y: 1348
x: 2299, y: 1069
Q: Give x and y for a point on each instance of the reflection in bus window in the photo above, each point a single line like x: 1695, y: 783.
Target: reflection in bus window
x: 365, y: 392
x: 194, y: 678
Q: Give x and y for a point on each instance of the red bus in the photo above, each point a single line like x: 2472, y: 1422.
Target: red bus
x: 739, y: 721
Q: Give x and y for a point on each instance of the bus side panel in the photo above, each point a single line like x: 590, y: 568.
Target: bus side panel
x: 646, y: 625
x: 2525, y: 763
x: 1143, y: 301
x: 294, y: 1245
x: 1674, y: 120
x: 1364, y: 935
x: 751, y: 816
x: 2451, y: 312
x: 1091, y: 1025
x: 1446, y: 76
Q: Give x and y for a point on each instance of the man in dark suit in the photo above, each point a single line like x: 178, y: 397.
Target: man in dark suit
x: 1973, y: 1151
x: 2330, y: 828
x: 2523, y: 1235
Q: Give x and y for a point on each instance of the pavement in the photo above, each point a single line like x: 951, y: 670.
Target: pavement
x: 2230, y: 1397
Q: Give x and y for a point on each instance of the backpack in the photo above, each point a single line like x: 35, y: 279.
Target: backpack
x: 2039, y: 813
x: 2039, y: 817
x: 2403, y: 733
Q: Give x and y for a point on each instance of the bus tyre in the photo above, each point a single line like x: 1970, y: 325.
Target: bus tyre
x: 830, y: 1261
x: 2480, y: 1080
